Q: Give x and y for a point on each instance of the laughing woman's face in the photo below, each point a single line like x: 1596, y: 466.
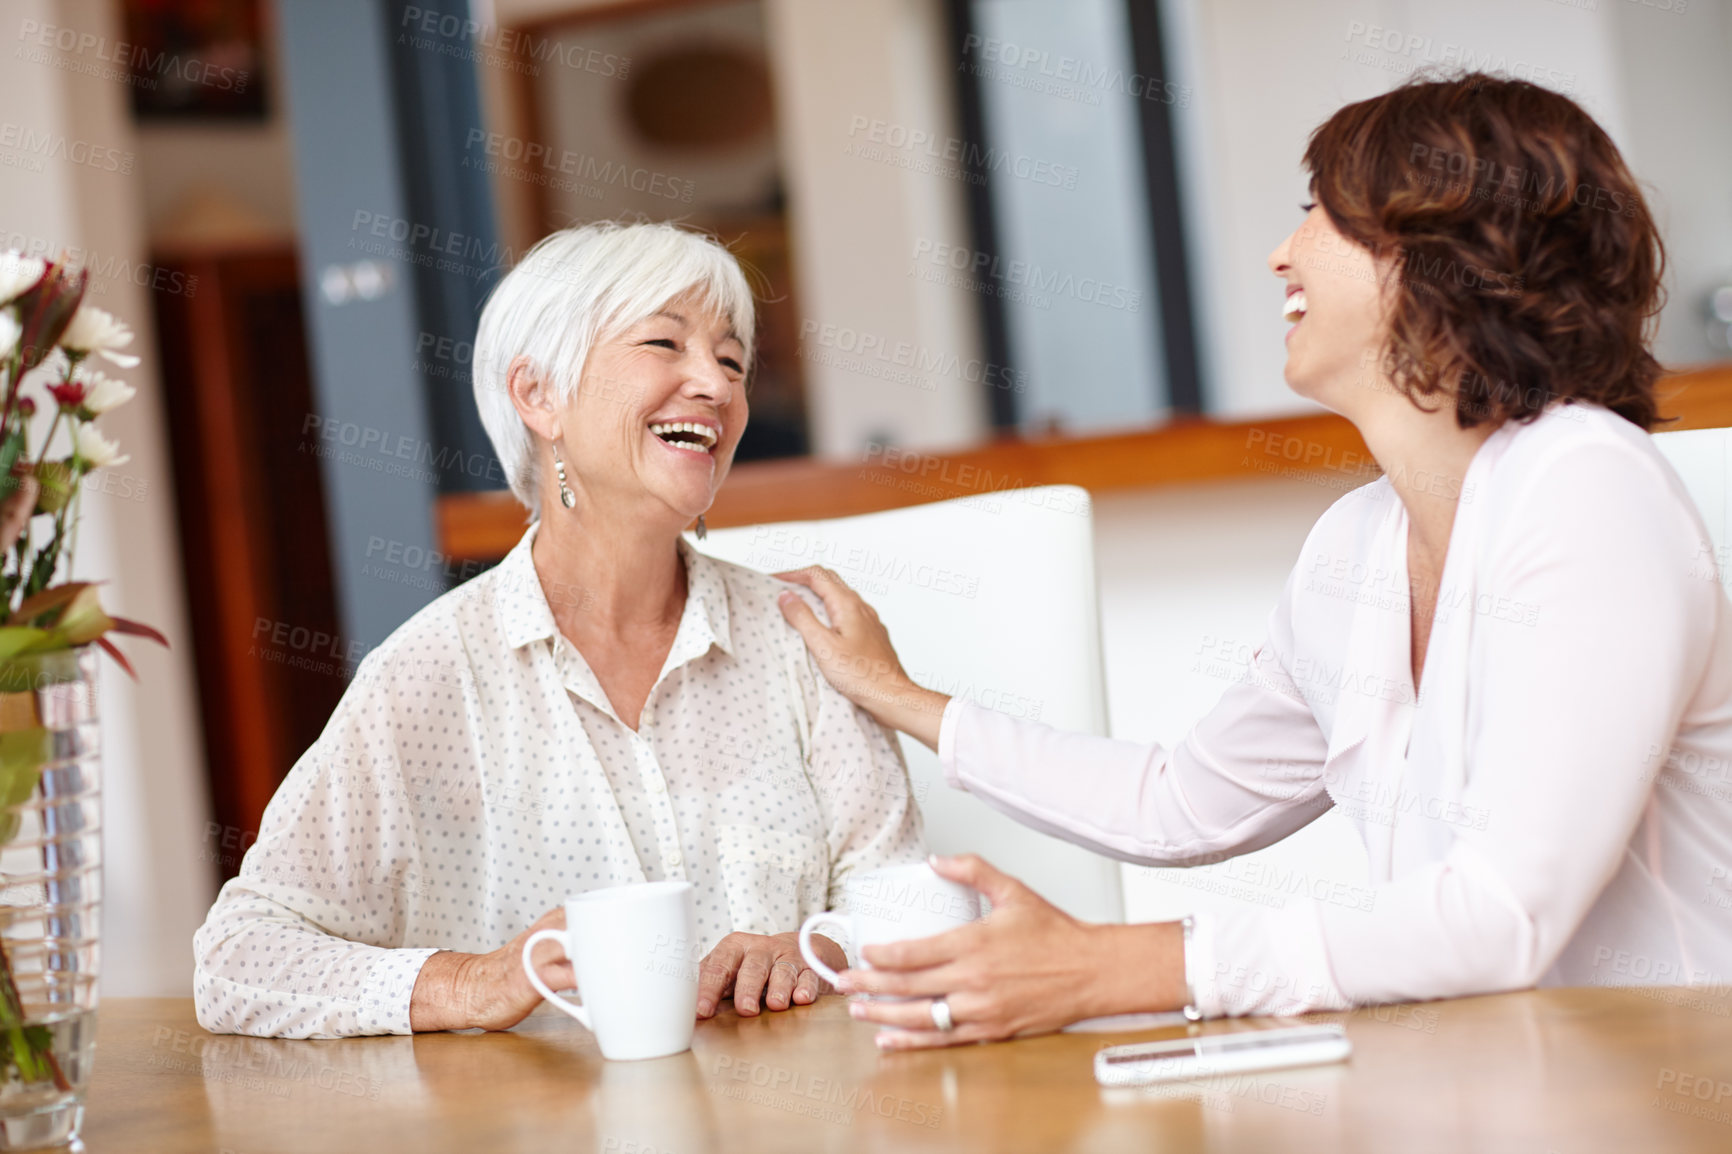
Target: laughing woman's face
x: 658, y: 413
x: 1337, y: 302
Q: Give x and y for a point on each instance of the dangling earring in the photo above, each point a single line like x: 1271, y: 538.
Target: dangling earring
x: 703, y: 530
x: 566, y: 496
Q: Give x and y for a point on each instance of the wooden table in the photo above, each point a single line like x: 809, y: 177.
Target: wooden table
x: 1558, y: 1070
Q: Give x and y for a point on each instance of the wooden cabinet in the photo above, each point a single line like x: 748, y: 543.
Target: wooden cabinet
x: 270, y: 657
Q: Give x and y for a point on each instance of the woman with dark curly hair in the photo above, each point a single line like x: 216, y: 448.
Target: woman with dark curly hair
x: 1505, y: 661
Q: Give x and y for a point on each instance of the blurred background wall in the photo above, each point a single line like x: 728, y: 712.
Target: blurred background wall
x: 157, y: 882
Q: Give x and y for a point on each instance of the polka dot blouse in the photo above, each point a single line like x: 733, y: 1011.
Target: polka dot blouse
x: 475, y: 775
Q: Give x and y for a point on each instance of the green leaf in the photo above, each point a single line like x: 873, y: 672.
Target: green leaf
x: 83, y: 621
x: 22, y: 755
x: 11, y: 448
x: 16, y: 639
x: 32, y: 1067
x: 55, y: 479
x: 42, y: 568
x: 15, y: 578
x: 38, y: 605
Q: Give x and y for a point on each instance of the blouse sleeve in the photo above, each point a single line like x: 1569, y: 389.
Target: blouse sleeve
x: 303, y: 943
x: 1248, y: 774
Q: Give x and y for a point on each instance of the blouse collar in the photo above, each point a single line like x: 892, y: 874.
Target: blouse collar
x: 526, y: 616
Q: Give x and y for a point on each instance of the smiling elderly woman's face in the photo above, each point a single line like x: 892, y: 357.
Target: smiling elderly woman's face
x: 659, y: 411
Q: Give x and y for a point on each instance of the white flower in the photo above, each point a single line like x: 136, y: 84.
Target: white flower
x: 95, y: 330
x: 17, y: 273
x: 96, y: 450
x: 10, y: 330
x: 104, y: 392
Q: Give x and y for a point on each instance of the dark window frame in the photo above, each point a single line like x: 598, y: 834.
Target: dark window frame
x: 1169, y: 261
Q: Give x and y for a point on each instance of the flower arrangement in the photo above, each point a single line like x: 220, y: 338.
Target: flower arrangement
x: 48, y: 334
x: 51, y: 343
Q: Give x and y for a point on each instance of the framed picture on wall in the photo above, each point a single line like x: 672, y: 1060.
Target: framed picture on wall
x: 195, y: 59
x: 671, y: 116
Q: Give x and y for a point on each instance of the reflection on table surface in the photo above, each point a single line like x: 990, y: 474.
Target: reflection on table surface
x: 1563, y: 1070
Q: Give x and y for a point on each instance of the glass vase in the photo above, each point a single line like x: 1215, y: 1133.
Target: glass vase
x: 50, y: 893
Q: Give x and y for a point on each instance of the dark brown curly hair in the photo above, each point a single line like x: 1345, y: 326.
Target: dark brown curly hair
x: 1530, y: 266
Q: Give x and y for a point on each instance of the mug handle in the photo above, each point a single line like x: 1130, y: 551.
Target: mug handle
x: 811, y: 956
x: 575, y: 1009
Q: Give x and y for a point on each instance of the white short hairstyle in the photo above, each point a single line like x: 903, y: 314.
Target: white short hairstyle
x: 580, y: 286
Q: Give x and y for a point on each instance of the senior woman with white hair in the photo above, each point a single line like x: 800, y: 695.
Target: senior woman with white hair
x: 605, y: 706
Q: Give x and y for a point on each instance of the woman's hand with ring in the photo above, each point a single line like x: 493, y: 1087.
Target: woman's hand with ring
x: 763, y: 970
x: 1026, y: 968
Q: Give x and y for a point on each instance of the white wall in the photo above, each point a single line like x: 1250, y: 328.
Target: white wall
x: 1187, y: 578
x: 156, y: 888
x: 858, y: 214
x: 250, y: 164
x: 1676, y: 71
x: 1263, y: 74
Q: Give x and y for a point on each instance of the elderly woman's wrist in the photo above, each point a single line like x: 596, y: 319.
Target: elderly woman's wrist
x: 441, y: 997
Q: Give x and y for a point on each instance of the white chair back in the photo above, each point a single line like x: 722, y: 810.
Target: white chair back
x: 1703, y: 459
x: 991, y: 598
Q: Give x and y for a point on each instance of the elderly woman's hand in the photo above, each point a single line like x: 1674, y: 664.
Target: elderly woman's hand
x: 856, y: 656
x: 488, y: 991
x: 763, y: 969
x: 1026, y: 968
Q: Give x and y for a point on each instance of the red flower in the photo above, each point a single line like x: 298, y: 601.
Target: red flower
x: 69, y: 394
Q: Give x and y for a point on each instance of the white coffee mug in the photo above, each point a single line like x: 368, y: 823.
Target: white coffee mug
x: 632, y: 949
x: 892, y: 905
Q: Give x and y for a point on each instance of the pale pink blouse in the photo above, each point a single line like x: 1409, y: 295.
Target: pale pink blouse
x: 1554, y: 808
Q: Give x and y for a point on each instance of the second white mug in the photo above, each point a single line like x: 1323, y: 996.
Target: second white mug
x: 892, y: 905
x: 631, y: 949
